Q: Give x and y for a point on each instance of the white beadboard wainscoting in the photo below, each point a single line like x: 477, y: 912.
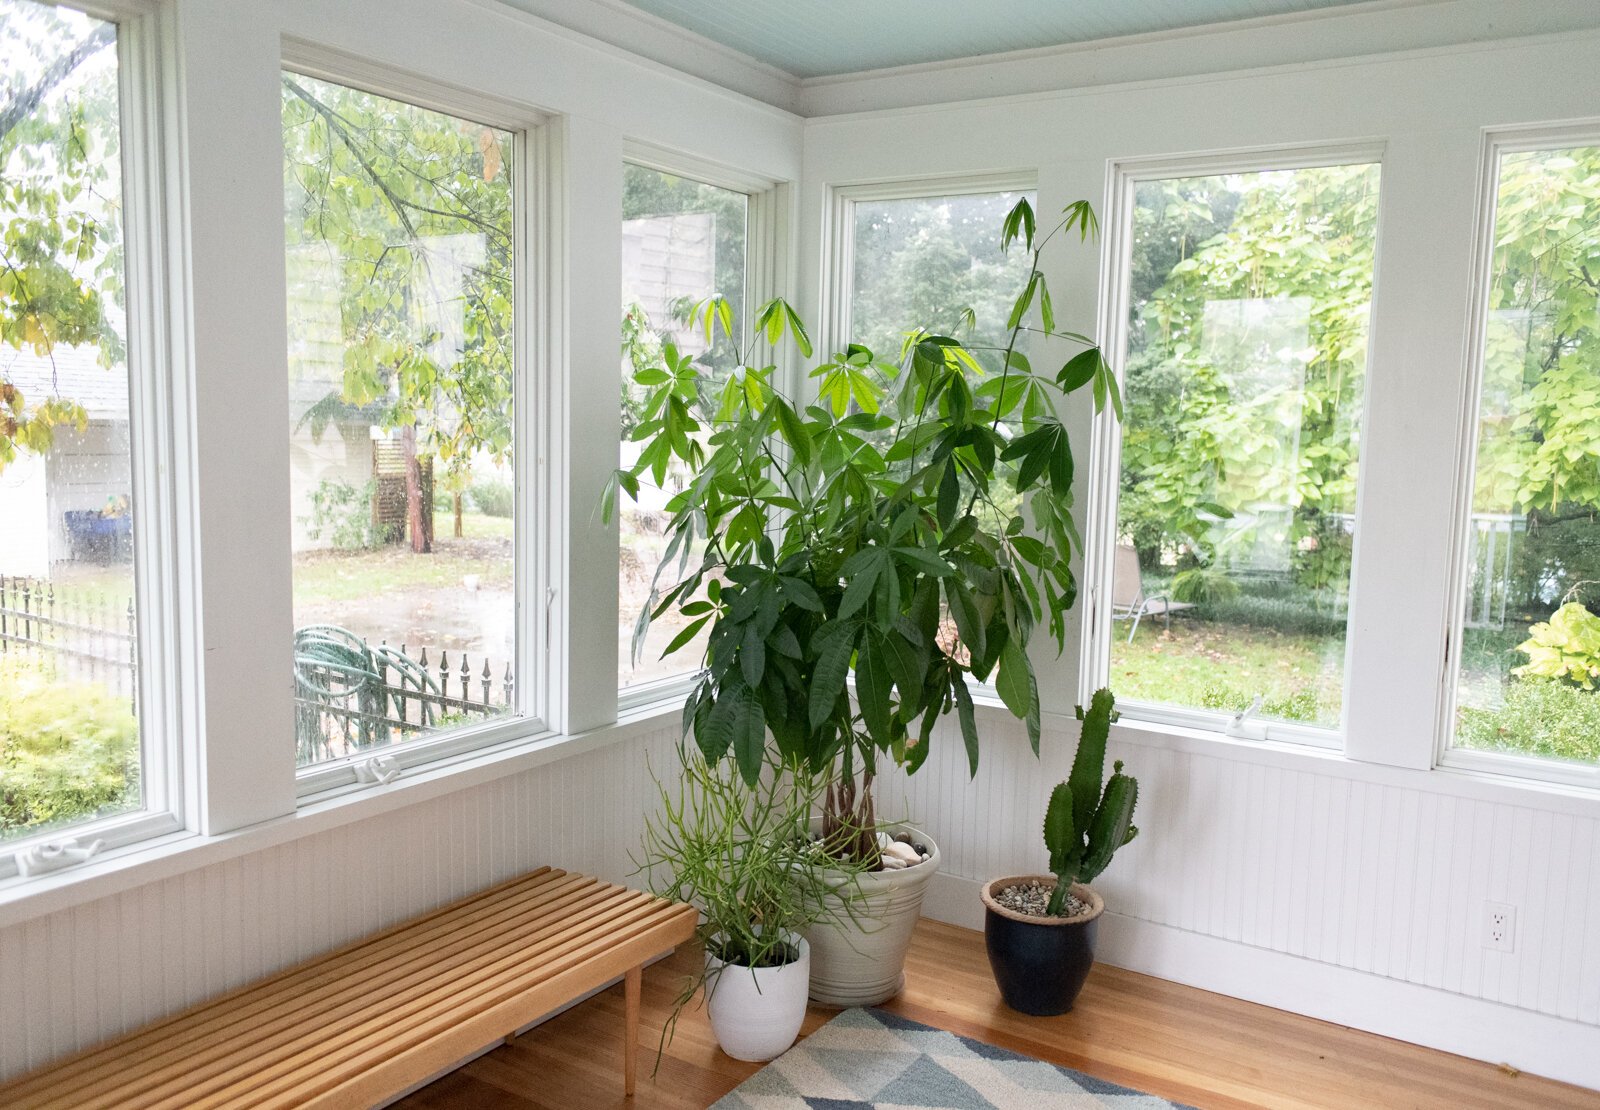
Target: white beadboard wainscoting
x: 1306, y: 882
x: 80, y: 975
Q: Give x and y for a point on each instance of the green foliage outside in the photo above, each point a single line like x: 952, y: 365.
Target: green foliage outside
x: 493, y: 497
x: 60, y: 186
x: 342, y: 513
x: 1226, y: 270
x: 68, y: 750
x: 415, y: 210
x: 1565, y: 647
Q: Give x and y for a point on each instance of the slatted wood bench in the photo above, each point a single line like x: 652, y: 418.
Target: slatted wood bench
x: 369, y: 1021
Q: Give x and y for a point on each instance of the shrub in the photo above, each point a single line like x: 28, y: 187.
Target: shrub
x: 493, y: 497
x: 1538, y: 717
x: 1281, y: 614
x: 68, y: 750
x: 1567, y: 646
x: 1203, y: 584
x: 343, y: 513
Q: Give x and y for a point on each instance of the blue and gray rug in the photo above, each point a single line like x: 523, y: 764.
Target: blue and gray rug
x: 872, y: 1060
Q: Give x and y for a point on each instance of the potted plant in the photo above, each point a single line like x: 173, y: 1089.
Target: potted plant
x: 877, y: 530
x: 1040, y: 929
x: 740, y: 853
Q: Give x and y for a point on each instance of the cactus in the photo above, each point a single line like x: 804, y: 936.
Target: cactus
x: 1083, y: 825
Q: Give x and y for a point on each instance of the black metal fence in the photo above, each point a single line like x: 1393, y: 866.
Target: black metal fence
x: 350, y: 695
x: 83, y: 634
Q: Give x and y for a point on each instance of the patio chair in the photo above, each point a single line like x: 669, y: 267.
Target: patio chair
x: 1129, y: 602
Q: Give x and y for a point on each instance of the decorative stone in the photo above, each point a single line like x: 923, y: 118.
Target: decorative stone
x: 904, y: 853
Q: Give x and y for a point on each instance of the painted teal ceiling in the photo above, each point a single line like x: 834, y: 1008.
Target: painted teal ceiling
x: 813, y: 38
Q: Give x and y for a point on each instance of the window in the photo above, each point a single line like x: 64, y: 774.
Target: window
x: 682, y: 242
x: 1529, y: 664
x: 70, y: 737
x: 1245, y: 361
x: 401, y: 260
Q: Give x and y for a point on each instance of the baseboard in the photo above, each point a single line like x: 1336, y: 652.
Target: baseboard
x: 1491, y: 1031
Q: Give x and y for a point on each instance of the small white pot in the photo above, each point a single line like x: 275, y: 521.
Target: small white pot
x: 756, y: 1015
x: 861, y: 959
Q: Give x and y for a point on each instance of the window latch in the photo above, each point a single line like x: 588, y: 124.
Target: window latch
x: 1237, y: 722
x: 380, y: 769
x: 58, y: 854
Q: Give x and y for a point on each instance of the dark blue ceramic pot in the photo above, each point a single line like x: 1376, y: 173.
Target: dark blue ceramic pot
x: 1040, y: 962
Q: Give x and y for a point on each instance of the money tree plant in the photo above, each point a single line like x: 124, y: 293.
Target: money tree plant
x: 875, y: 528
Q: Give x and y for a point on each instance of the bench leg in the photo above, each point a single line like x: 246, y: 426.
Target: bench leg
x: 630, y: 1038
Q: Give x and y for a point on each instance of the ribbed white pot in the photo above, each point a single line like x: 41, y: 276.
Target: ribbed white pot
x: 861, y: 962
x: 756, y: 1015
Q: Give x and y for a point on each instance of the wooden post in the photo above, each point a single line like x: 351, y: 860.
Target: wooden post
x: 630, y: 1042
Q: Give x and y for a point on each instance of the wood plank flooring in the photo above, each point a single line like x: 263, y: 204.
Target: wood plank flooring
x: 1204, y: 1049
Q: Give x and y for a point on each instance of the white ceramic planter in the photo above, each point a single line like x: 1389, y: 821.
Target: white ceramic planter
x: 756, y: 1015
x: 862, y: 962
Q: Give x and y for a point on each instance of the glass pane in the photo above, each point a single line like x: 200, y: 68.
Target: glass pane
x: 1530, y: 658
x: 69, y: 731
x: 936, y: 263
x: 1246, y: 361
x: 400, y: 254
x: 682, y: 241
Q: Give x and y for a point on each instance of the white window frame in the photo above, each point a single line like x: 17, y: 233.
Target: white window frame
x: 766, y: 275
x: 1103, y: 510
x: 534, y: 542
x: 162, y: 680
x: 1496, y: 143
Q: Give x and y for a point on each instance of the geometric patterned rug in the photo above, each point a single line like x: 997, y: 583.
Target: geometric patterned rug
x: 873, y: 1060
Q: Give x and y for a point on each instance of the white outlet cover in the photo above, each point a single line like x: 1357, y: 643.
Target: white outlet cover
x: 1499, y: 927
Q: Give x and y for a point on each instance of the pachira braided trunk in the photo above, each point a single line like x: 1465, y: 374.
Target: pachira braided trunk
x: 877, y: 530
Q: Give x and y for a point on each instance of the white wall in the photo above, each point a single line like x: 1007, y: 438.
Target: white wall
x: 24, y: 548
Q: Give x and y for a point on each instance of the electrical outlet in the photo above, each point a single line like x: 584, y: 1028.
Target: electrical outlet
x: 1499, y: 927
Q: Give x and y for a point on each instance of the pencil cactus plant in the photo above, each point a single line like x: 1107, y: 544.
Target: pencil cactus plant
x: 1083, y: 825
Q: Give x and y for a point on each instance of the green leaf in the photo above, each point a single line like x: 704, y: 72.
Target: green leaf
x: 949, y: 495
x: 873, y: 684
x: 683, y: 637
x: 1079, y: 370
x: 968, y: 718
x: 1013, y: 683
x: 828, y: 679
x: 749, y: 735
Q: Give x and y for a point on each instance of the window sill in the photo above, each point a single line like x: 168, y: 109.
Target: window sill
x: 1452, y: 781
x: 124, y: 868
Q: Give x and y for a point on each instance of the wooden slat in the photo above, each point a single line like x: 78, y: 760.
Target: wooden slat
x: 379, y: 1015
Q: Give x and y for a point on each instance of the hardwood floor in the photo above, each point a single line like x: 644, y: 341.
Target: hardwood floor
x: 1185, y: 1044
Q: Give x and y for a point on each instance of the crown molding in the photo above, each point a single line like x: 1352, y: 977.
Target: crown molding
x: 625, y: 27
x: 1374, y: 29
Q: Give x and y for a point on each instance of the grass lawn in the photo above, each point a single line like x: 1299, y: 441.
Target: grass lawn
x: 1211, y: 665
x: 483, y: 550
